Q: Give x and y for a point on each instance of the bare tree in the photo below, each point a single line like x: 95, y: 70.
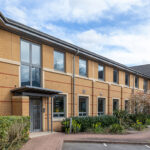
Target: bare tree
x: 140, y: 103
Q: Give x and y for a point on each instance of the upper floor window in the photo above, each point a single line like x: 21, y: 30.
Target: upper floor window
x: 115, y: 76
x: 59, y: 61
x: 101, y: 72
x: 136, y: 82
x: 127, y: 79
x: 145, y: 85
x: 30, y: 64
x: 82, y: 67
x: 59, y: 106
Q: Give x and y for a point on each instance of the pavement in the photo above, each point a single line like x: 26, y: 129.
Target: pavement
x: 55, y: 141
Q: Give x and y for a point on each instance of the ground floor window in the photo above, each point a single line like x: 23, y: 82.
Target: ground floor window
x: 127, y: 106
x: 83, y: 106
x: 59, y: 103
x: 101, y: 106
x: 115, y: 104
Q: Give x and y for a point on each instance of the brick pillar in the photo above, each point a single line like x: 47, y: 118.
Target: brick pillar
x: 20, y: 105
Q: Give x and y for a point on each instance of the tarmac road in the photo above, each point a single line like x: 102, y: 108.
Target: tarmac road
x: 103, y: 146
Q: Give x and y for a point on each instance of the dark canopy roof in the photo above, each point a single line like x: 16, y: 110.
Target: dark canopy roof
x: 34, y: 91
x: 143, y: 68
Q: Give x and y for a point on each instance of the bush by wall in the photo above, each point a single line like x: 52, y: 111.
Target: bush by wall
x: 14, y: 130
x: 87, y: 122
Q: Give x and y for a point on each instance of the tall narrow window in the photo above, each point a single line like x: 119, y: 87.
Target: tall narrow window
x: 136, y: 82
x: 115, y: 104
x: 145, y: 86
x: 127, y: 106
x: 83, y: 106
x: 127, y: 79
x: 82, y: 67
x: 115, y: 76
x: 59, y: 103
x: 30, y: 64
x: 101, y: 106
x: 101, y: 72
x: 59, y: 61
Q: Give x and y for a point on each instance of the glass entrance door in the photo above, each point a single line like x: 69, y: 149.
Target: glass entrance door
x: 35, y: 114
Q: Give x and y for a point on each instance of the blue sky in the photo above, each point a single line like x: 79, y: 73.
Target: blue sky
x: 116, y: 29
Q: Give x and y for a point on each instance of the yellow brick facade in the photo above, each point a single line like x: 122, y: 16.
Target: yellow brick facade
x: 88, y: 86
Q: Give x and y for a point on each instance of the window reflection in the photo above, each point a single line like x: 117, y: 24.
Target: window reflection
x: 59, y: 61
x: 25, y: 51
x: 25, y: 79
x: 36, y: 77
x: 82, y: 67
x: 36, y: 54
x: 101, y: 72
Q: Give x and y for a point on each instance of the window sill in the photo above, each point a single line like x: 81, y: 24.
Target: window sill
x: 58, y: 119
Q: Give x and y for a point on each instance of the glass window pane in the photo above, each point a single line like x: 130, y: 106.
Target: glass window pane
x: 127, y: 106
x: 101, y: 72
x: 136, y: 82
x: 145, y: 85
x: 127, y: 79
x: 25, y: 78
x: 36, y: 80
x: 59, y: 106
x: 59, y: 61
x: 82, y: 67
x: 36, y: 55
x: 25, y: 52
x: 115, y: 105
x: 101, y: 106
x: 83, y: 106
x: 115, y: 76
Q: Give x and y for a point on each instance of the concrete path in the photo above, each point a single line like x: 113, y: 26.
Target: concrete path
x: 55, y: 141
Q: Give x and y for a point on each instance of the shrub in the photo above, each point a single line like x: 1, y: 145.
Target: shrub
x: 116, y: 128
x: 14, y: 130
x: 121, y: 115
x: 138, y: 126
x: 87, y: 122
x: 147, y: 121
x: 140, y: 117
x: 75, y: 128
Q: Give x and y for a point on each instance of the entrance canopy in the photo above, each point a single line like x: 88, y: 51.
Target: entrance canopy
x: 34, y: 91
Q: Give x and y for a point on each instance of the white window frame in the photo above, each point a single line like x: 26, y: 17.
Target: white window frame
x: 100, y: 113
x: 87, y: 106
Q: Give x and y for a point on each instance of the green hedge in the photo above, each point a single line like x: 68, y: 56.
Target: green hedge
x: 87, y: 122
x: 14, y: 130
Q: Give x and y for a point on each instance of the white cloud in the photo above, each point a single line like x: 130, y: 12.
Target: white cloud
x: 130, y: 47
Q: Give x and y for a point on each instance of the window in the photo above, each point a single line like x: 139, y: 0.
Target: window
x: 136, y: 82
x: 59, y: 61
x: 82, y: 67
x: 30, y: 64
x: 59, y: 103
x: 115, y: 104
x: 101, y: 72
x: 83, y: 106
x: 127, y: 79
x: 145, y: 85
x: 115, y: 76
x: 127, y: 106
x: 101, y: 106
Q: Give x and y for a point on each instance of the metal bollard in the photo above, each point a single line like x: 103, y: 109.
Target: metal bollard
x: 70, y: 125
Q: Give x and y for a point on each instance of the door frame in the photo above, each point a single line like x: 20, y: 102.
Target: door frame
x: 31, y: 114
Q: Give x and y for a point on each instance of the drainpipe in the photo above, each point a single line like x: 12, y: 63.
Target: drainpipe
x: 74, y: 81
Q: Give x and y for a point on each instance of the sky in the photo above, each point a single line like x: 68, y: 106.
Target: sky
x: 116, y: 29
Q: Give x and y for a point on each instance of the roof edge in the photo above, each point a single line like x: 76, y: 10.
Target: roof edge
x: 73, y: 48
